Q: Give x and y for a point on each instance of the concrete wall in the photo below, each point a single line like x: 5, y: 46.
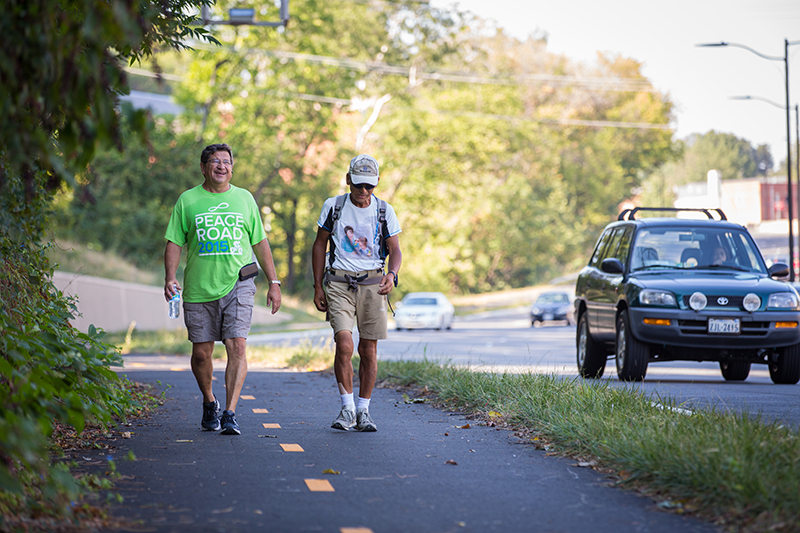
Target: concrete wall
x: 113, y: 305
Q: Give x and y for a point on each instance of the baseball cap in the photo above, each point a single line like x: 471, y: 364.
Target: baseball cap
x: 364, y: 169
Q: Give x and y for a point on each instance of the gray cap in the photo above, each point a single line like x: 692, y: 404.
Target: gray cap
x: 364, y: 169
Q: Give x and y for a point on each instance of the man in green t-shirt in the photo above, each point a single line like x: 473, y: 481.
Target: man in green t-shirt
x: 222, y: 230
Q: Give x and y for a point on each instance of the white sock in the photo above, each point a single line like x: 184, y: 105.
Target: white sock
x: 363, y: 403
x: 347, y: 401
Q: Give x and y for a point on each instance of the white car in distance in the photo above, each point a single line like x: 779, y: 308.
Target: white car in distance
x: 424, y: 310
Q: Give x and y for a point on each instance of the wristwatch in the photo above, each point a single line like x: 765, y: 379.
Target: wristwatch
x: 274, y: 281
x: 393, y: 273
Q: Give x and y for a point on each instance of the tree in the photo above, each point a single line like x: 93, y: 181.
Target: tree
x: 61, y: 69
x: 122, y: 202
x: 289, y: 116
x: 733, y: 157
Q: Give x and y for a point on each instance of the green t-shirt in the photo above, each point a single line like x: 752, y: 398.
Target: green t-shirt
x: 220, y: 229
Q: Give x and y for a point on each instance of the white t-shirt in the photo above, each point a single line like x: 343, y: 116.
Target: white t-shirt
x: 356, y: 233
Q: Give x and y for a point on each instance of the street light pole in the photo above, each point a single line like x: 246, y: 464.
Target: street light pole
x: 790, y: 201
x: 788, y: 151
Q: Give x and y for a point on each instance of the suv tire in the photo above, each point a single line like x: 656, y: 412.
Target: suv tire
x: 591, y: 354
x: 786, y: 370
x: 735, y: 370
x: 632, y: 355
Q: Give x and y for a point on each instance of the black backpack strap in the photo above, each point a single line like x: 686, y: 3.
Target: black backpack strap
x: 384, y: 229
x: 336, y: 212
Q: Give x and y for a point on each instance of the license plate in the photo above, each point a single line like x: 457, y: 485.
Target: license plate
x: 548, y: 316
x: 724, y: 325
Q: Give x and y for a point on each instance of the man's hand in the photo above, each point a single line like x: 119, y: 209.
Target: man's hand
x: 387, y: 284
x: 169, y: 290
x: 274, y: 297
x: 320, y: 300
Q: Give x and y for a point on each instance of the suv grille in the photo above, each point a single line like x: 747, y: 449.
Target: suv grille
x: 729, y: 302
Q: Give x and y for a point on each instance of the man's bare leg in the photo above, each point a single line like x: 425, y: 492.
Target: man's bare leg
x: 368, y: 367
x: 203, y: 368
x: 235, y: 371
x: 342, y: 362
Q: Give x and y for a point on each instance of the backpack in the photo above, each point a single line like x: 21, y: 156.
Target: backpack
x: 384, y: 232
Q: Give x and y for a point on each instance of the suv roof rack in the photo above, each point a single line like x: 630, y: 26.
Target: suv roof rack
x: 628, y: 214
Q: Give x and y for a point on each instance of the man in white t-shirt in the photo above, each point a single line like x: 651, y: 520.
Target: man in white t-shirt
x: 362, y: 231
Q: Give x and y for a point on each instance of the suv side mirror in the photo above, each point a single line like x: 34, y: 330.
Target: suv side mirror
x: 779, y: 270
x: 612, y: 266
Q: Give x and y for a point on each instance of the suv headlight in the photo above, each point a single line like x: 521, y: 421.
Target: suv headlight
x: 782, y: 300
x: 654, y: 297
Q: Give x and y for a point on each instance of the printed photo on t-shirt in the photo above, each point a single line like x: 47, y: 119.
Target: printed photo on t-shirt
x: 355, y: 243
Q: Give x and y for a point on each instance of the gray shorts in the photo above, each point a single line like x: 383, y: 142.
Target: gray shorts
x: 226, y: 318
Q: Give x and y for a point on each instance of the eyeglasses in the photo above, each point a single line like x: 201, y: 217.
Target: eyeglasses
x: 363, y: 186
x: 224, y: 162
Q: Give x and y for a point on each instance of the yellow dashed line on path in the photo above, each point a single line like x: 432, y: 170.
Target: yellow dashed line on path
x: 175, y: 369
x: 260, y: 411
x: 138, y: 365
x: 355, y: 530
x: 247, y: 397
x: 271, y: 426
x: 319, y: 485
x: 292, y: 448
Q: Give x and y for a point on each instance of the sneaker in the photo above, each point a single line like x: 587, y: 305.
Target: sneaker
x: 345, y: 420
x: 229, y: 425
x: 210, y: 416
x: 364, y: 421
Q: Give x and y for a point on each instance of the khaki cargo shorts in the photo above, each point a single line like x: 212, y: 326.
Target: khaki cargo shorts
x: 365, y: 305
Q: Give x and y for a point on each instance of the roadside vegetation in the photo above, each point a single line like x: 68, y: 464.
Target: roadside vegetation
x: 738, y: 471
x: 306, y: 355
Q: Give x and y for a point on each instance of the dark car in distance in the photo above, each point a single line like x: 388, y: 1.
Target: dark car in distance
x: 667, y: 289
x: 552, y: 306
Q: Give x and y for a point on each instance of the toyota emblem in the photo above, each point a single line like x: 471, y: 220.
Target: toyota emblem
x: 722, y: 300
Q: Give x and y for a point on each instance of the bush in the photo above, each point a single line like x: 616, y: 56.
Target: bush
x: 49, y: 371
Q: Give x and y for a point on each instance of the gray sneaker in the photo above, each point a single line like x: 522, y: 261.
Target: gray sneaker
x: 345, y: 420
x: 364, y: 421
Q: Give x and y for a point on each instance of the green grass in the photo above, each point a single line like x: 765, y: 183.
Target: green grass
x: 741, y: 471
x: 305, y: 356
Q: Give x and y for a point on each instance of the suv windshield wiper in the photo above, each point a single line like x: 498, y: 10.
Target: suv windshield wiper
x: 648, y: 267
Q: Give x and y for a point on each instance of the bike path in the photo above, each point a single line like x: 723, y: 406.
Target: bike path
x: 420, y: 472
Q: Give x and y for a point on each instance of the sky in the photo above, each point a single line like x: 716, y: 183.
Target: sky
x: 662, y: 35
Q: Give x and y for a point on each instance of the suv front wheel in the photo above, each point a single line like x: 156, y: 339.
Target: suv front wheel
x: 632, y: 355
x: 591, y: 354
x: 786, y: 369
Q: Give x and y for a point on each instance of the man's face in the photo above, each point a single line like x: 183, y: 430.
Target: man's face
x: 360, y: 194
x: 218, y: 170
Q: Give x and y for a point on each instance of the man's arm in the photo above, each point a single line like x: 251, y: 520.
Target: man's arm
x: 318, y: 250
x: 393, y: 264
x: 264, y: 256
x: 172, y: 258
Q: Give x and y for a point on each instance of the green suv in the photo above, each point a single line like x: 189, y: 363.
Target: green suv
x: 669, y: 289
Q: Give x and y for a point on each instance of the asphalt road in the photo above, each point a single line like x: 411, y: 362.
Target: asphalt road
x: 504, y: 341
x: 422, y: 471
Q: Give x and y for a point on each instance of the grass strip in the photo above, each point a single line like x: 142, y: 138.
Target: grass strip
x: 738, y: 470
x: 305, y: 355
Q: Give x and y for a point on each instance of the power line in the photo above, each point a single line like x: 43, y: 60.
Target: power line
x: 602, y: 84
x: 471, y: 114
x: 339, y: 102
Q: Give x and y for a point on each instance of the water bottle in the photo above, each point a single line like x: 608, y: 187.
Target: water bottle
x: 175, y: 304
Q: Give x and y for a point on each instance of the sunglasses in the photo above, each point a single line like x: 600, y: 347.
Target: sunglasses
x: 363, y: 186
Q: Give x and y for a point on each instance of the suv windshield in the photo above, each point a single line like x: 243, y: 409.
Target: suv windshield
x: 691, y: 248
